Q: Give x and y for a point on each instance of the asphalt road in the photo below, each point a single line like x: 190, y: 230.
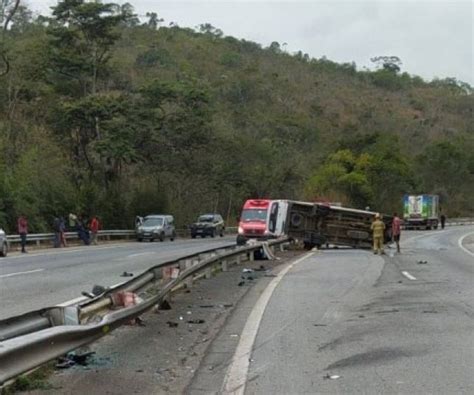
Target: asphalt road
x: 375, y: 325
x: 45, y: 278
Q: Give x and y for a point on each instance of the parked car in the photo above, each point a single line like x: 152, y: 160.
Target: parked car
x: 156, y: 227
x: 208, y: 225
x: 3, y: 243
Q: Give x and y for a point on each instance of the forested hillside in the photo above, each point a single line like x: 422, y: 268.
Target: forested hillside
x: 103, y: 113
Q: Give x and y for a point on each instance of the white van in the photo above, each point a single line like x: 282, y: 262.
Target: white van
x: 3, y: 243
x: 156, y: 227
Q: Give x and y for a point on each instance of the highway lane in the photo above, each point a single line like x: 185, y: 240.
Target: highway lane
x: 376, y: 325
x: 45, y: 278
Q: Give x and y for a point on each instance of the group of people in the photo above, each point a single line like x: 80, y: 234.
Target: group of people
x: 378, y: 230
x: 87, y: 231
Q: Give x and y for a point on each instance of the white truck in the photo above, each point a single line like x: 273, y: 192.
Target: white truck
x: 421, y: 211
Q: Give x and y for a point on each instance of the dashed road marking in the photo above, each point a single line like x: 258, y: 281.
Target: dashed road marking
x: 141, y: 253
x: 409, y: 276
x: 20, y: 273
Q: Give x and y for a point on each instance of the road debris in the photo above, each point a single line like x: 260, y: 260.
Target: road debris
x: 172, y: 324
x: 319, y: 325
x: 241, y: 283
x: 332, y: 376
x: 164, y: 305
x: 196, y: 321
x: 72, y: 359
x: 126, y: 274
x: 422, y: 262
x: 207, y: 306
x: 247, y: 270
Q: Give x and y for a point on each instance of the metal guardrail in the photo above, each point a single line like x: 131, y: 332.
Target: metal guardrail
x: 38, y: 238
x: 459, y: 222
x: 34, y: 338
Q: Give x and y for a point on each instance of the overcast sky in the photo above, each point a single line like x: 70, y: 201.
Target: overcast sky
x: 433, y: 38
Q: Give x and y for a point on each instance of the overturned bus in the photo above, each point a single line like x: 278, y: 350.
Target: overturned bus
x: 313, y: 224
x: 318, y: 224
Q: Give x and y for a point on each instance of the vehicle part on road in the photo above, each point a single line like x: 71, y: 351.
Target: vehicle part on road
x: 126, y: 274
x: 172, y: 324
x: 196, y: 321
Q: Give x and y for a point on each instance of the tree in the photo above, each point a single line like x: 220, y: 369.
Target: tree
x: 82, y: 35
x: 389, y: 63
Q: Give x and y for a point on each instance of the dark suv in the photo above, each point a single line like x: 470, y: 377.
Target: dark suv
x: 208, y: 225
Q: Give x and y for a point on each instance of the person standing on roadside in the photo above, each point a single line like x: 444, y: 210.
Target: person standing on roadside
x: 62, y: 230
x: 443, y: 220
x: 396, y: 230
x: 378, y: 228
x: 23, y: 231
x: 57, y: 232
x: 94, y: 228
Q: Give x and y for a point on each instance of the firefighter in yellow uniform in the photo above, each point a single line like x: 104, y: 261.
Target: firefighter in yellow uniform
x: 378, y: 228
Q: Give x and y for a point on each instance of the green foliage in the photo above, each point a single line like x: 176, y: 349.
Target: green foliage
x: 103, y: 114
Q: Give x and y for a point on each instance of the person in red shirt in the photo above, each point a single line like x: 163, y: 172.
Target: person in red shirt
x: 396, y: 230
x: 94, y: 227
x: 23, y: 231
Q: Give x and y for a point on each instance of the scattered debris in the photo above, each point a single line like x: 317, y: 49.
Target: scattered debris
x: 187, y: 291
x: 260, y: 269
x: 250, y: 278
x: 234, y: 335
x: 139, y: 370
x: 422, y: 262
x: 88, y: 294
x: 98, y: 290
x: 362, y: 316
x: 241, y: 283
x: 270, y: 275
x: 319, y: 325
x: 332, y: 376
x: 164, y: 305
x: 181, y: 318
x: 72, y: 359
x: 430, y: 311
x: 247, y: 271
x: 207, y: 306
x: 172, y: 324
x: 189, y: 312
x: 226, y: 305
x: 196, y: 321
x: 126, y: 274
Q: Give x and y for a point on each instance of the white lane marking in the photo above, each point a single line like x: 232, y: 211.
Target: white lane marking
x: 236, y: 376
x: 461, y: 239
x: 409, y: 276
x: 67, y: 250
x: 141, y: 253
x: 20, y: 273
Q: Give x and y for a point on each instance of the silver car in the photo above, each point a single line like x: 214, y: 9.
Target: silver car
x: 156, y: 227
x: 3, y: 243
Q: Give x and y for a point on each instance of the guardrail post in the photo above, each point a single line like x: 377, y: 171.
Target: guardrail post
x: 188, y: 282
x: 38, y: 242
x: 251, y: 256
x: 224, y: 265
x: 208, y: 272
